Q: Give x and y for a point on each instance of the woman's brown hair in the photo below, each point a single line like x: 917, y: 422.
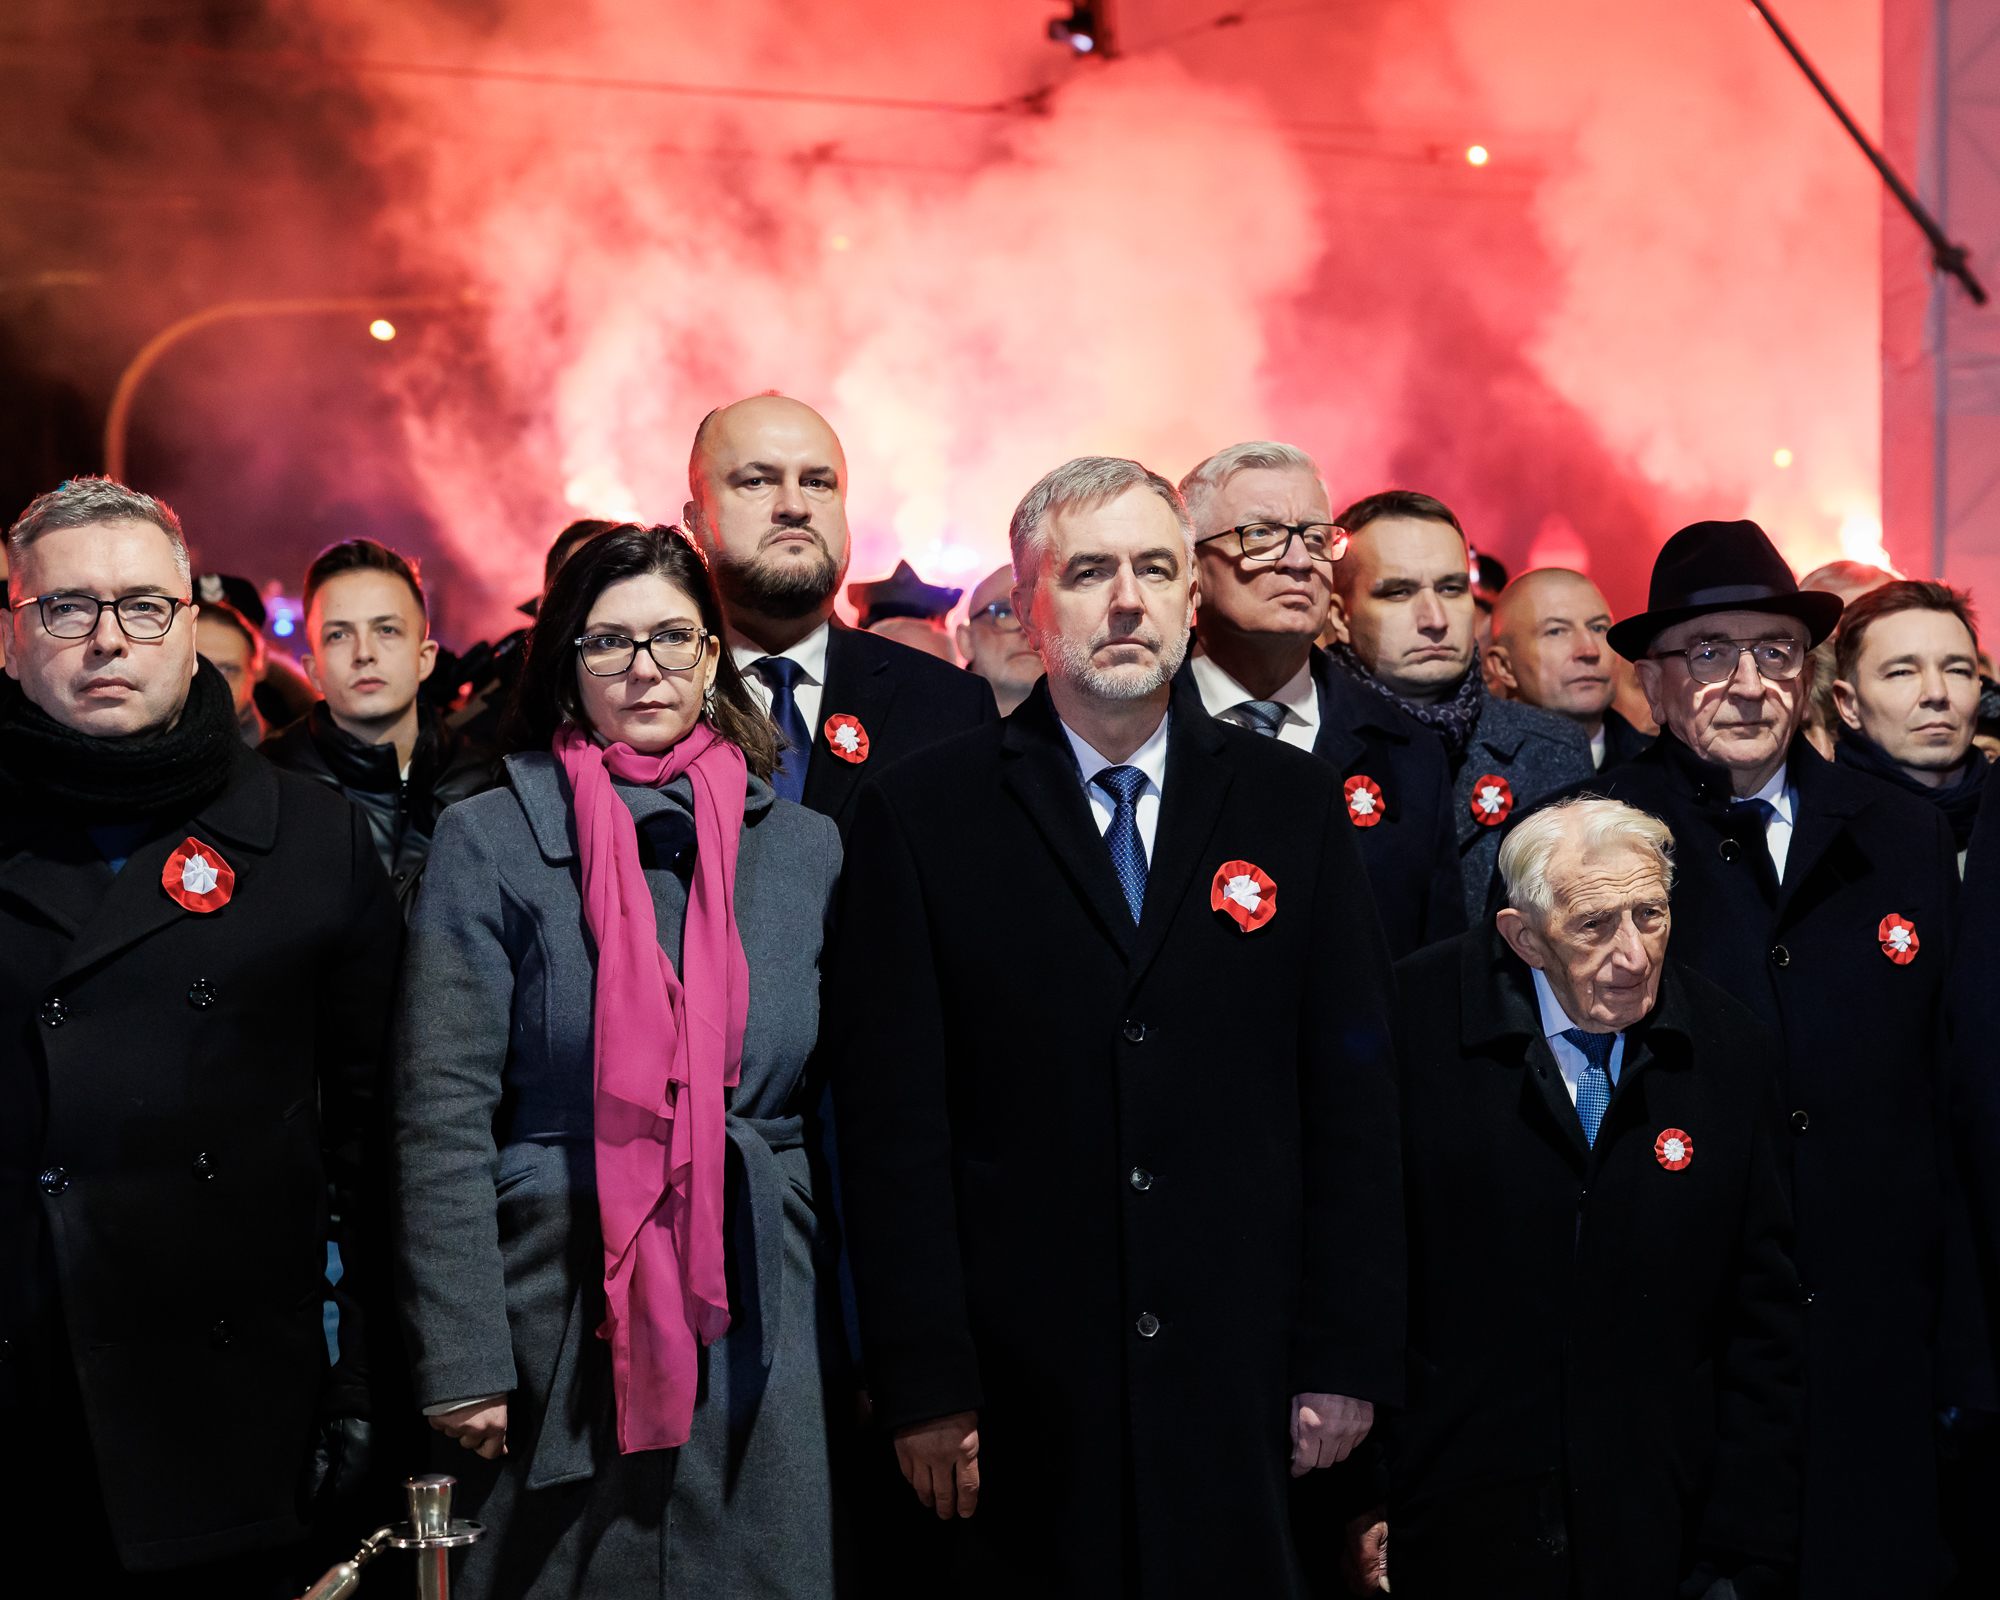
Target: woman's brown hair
x: 545, y: 694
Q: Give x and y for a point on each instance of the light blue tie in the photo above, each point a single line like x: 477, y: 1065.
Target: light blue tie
x: 1128, y: 850
x: 1593, y: 1089
x: 1264, y: 716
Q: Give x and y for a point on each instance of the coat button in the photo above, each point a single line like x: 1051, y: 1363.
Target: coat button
x: 204, y: 1167
x: 1142, y: 1180
x: 54, y: 1180
x: 1805, y: 1296
x: 1148, y: 1324
x: 218, y: 1336
x: 1800, y: 1122
x: 54, y: 1013
x: 1729, y: 849
x: 201, y: 995
x: 1135, y: 1032
x: 1780, y: 956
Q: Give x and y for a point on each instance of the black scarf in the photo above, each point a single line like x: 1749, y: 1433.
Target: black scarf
x: 50, y: 769
x: 1958, y: 801
x: 1451, y: 720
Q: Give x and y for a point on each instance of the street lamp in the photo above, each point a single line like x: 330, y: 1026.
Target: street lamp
x: 120, y: 415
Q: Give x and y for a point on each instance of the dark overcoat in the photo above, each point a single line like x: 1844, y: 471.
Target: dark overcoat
x: 1535, y: 753
x: 177, y: 1089
x: 1622, y: 741
x: 904, y: 700
x: 1606, y: 1354
x: 1122, y: 1190
x: 1862, y: 1076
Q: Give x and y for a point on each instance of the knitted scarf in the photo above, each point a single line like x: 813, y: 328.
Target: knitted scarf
x: 1451, y: 720
x: 1958, y: 801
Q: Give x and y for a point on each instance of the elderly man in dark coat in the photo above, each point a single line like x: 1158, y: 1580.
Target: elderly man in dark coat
x: 1606, y: 1343
x: 196, y: 957
x: 1823, y: 899
x: 1121, y: 1167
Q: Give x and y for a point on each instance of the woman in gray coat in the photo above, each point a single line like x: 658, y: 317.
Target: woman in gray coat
x: 606, y: 1215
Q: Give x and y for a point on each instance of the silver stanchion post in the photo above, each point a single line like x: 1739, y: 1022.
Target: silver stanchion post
x: 430, y: 1532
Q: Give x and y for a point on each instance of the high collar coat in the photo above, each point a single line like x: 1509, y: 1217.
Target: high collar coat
x: 1606, y: 1352
x: 1123, y: 1189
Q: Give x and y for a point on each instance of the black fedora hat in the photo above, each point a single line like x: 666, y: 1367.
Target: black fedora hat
x: 1721, y: 566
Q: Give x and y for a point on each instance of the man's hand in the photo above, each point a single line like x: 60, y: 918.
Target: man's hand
x: 1326, y: 1428
x: 1366, y: 1562
x: 479, y: 1427
x: 941, y: 1460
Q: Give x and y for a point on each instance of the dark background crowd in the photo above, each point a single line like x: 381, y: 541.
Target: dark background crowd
x: 1304, y: 1061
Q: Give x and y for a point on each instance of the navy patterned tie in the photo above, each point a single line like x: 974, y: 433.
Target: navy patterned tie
x: 782, y: 674
x: 1593, y: 1089
x: 1262, y: 716
x: 1128, y: 850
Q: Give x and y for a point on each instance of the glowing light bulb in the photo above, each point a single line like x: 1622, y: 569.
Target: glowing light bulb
x: 1478, y: 155
x: 1082, y: 43
x: 1781, y: 458
x: 840, y: 241
x: 382, y: 329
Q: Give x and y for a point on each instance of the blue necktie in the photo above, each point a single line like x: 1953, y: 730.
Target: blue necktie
x: 1265, y: 716
x: 1593, y: 1089
x: 1128, y: 850
x: 782, y: 675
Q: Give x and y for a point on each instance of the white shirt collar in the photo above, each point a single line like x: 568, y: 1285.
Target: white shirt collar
x: 1220, y: 692
x: 809, y: 652
x: 1777, y: 793
x: 1150, y: 758
x: 1555, y: 1020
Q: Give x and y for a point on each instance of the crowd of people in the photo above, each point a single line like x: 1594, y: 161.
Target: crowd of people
x: 1301, y: 1068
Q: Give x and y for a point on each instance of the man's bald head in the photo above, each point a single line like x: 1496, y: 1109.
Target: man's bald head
x: 767, y: 487
x: 1548, y: 646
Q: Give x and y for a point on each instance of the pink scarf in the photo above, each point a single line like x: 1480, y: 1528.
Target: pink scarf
x: 664, y: 1051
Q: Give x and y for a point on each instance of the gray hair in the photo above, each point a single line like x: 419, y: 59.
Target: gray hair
x: 1591, y: 823
x: 78, y: 502
x: 1086, y: 481
x: 1199, y: 486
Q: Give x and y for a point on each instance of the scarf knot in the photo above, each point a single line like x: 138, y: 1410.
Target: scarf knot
x: 1451, y: 720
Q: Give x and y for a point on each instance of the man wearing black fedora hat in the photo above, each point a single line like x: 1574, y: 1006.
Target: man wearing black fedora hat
x: 1823, y: 899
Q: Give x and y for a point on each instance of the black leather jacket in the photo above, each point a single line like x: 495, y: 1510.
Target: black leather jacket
x: 445, y: 767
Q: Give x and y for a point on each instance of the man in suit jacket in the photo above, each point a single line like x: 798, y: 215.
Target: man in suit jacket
x: 1823, y: 899
x: 1121, y: 1162
x: 1402, y: 624
x: 1548, y: 650
x: 1606, y: 1342
x: 767, y: 486
x: 1267, y: 548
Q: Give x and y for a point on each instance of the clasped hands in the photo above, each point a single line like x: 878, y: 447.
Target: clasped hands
x: 940, y: 1458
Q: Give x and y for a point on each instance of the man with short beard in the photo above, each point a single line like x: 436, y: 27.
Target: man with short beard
x: 1121, y: 1160
x: 767, y: 486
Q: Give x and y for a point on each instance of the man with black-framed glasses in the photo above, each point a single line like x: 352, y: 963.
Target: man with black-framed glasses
x: 196, y: 959
x: 1267, y: 549
x: 994, y: 647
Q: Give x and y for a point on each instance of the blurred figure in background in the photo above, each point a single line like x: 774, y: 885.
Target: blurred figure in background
x: 1850, y: 580
x: 235, y: 649
x: 1548, y: 650
x: 1404, y: 615
x: 372, y: 737
x: 905, y: 608
x: 1489, y: 581
x: 994, y: 647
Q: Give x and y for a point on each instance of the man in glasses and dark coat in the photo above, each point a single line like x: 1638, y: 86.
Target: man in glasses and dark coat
x: 1823, y: 899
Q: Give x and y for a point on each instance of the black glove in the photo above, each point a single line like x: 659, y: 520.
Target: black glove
x: 336, y: 1467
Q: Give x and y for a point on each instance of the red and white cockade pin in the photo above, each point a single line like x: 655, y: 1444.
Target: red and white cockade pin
x: 1245, y: 893
x: 1492, y: 800
x: 198, y: 877
x: 1673, y: 1149
x: 1364, y: 800
x: 1899, y: 939
x: 846, y: 738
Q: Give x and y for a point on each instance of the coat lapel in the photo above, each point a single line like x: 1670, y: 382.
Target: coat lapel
x: 1500, y: 1018
x: 1337, y: 743
x: 1820, y: 816
x: 1198, y: 780
x: 1040, y: 773
x: 55, y: 871
x: 860, y: 684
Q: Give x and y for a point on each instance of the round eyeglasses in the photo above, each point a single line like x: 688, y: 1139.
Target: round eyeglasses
x: 609, y: 655
x: 1714, y: 660
x: 75, y: 616
x: 1263, y: 544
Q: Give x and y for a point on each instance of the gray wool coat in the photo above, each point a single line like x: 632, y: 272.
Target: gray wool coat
x: 1537, y: 752
x: 499, y: 1255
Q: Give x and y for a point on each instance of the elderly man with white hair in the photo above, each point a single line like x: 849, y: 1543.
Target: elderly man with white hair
x: 1107, y: 1020
x: 1605, y: 1339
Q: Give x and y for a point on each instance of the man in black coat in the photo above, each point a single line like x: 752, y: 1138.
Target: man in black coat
x: 1121, y: 1163
x: 1549, y: 650
x: 1605, y: 1393
x: 767, y: 485
x: 1267, y: 548
x: 196, y: 957
x: 1823, y: 900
